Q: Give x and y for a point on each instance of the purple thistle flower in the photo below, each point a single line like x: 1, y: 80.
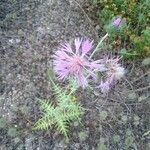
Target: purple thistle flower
x: 73, y: 60
x: 118, y: 21
x: 113, y: 73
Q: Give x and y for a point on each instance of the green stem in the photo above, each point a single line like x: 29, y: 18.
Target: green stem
x: 97, y: 47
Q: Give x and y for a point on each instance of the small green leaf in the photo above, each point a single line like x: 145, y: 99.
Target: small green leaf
x: 128, y: 142
x: 146, y: 62
x: 141, y: 17
x: 116, y: 138
x: 94, y: 2
x: 12, y: 132
x: 102, y: 140
x: 146, y: 133
x: 82, y: 136
x: 24, y: 109
x: 128, y: 54
x: 2, y: 100
x: 101, y: 144
x: 17, y: 140
x: 3, y: 122
x: 124, y: 118
x: 14, y: 108
x: 136, y: 118
x: 141, y: 98
x: 103, y: 115
x: 132, y: 96
x: 128, y: 132
x: 123, y: 51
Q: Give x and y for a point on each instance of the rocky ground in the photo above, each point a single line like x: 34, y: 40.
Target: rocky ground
x: 30, y: 32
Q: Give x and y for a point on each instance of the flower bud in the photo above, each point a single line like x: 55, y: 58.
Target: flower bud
x: 117, y: 22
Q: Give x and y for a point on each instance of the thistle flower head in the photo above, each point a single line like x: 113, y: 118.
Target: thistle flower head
x: 72, y: 60
x: 116, y: 25
x: 114, y: 71
x: 114, y: 68
x: 118, y: 21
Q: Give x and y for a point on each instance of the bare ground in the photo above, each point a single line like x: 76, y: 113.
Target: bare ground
x: 30, y: 32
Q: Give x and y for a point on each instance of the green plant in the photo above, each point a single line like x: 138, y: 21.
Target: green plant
x: 146, y: 62
x: 12, y: 132
x: 129, y: 142
x: 83, y: 136
x: 103, y: 115
x: 60, y: 112
x: 116, y: 138
x: 135, y: 37
x: 3, y: 122
x: 101, y: 144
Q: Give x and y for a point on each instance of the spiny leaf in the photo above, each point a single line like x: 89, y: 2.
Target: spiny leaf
x: 60, y: 95
x: 44, y: 123
x: 72, y: 85
x: 60, y: 115
x: 62, y: 126
x: 46, y: 105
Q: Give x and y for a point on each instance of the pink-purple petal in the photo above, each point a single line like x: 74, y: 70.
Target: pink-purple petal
x: 82, y: 81
x: 66, y: 47
x: 87, y: 45
x: 77, y: 43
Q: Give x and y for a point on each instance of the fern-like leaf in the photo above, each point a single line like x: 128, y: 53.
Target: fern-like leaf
x: 44, y: 123
x: 47, y: 106
x: 63, y: 112
x: 73, y: 85
x: 62, y: 126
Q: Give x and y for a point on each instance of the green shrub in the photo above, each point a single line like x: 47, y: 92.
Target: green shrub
x: 135, y: 38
